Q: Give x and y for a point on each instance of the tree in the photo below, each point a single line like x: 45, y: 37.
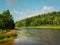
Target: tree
x: 7, y: 20
x: 1, y: 21
x: 43, y: 19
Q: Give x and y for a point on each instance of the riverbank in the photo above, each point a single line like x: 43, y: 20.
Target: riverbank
x: 42, y: 26
x: 8, y: 41
x: 7, y: 36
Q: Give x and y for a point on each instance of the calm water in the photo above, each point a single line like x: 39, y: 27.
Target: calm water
x: 38, y: 37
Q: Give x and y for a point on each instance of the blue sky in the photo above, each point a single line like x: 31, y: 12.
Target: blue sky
x: 21, y: 9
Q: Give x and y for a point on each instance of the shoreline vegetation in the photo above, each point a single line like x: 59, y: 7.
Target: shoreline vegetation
x: 42, y: 26
x: 7, y: 37
x: 48, y: 20
x: 7, y: 31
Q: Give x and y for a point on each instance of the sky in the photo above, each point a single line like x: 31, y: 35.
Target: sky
x: 21, y: 9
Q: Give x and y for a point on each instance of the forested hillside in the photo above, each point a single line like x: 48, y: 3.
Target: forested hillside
x: 43, y: 19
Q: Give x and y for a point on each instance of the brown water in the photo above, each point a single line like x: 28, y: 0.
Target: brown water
x: 35, y: 36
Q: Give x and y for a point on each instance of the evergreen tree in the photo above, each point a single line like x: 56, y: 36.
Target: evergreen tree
x: 7, y: 20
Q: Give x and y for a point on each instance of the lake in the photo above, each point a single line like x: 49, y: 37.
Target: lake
x: 28, y: 36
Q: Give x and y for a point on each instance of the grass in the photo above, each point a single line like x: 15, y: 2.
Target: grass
x: 7, y: 37
x: 7, y: 41
x: 43, y: 26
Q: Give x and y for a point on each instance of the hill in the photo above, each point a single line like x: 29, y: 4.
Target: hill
x: 43, y: 19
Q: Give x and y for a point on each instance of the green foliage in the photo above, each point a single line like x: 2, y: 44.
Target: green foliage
x: 6, y: 20
x: 43, y: 19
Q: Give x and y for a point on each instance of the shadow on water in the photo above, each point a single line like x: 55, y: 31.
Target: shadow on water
x: 38, y: 37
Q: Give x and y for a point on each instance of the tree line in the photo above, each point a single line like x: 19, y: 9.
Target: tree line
x: 6, y: 20
x: 43, y: 19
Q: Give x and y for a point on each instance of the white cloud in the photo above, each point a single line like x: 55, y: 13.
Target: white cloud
x: 24, y: 14
x: 47, y: 9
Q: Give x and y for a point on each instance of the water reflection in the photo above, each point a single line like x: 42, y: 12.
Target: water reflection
x: 38, y: 37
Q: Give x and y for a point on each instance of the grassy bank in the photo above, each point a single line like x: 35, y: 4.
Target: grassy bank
x: 43, y: 26
x: 8, y: 41
x: 7, y: 36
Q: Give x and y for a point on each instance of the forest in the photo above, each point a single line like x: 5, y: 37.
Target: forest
x: 52, y: 18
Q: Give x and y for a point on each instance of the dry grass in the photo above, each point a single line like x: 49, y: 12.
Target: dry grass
x: 7, y: 42
x: 7, y: 37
